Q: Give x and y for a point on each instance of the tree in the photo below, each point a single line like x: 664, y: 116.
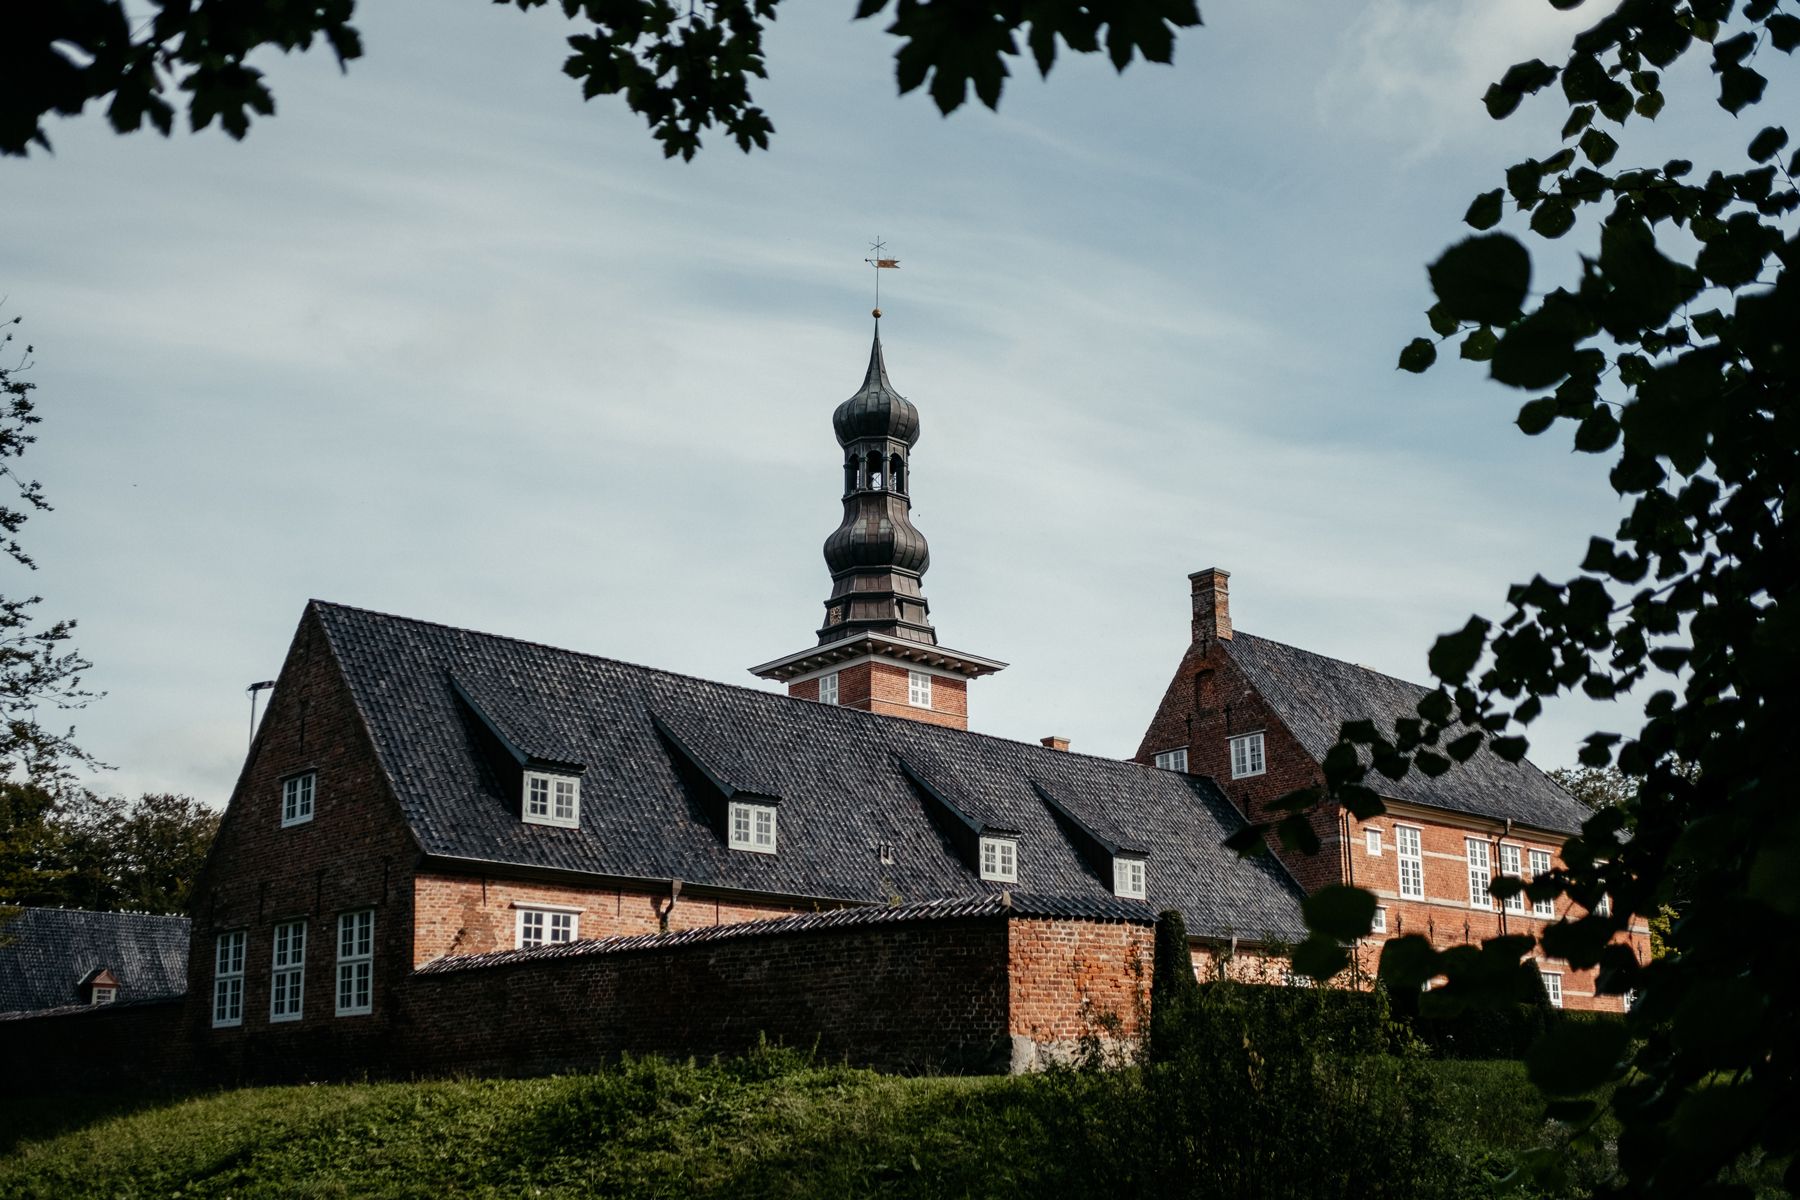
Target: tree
x: 1596, y: 787
x: 1674, y: 355
x: 79, y: 849
x: 36, y: 666
x: 685, y: 68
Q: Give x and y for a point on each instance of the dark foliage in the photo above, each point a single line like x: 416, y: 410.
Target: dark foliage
x: 75, y: 849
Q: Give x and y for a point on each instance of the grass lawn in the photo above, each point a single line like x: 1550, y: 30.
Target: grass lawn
x: 768, y: 1125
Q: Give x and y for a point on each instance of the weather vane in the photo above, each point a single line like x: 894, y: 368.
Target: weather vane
x: 878, y: 262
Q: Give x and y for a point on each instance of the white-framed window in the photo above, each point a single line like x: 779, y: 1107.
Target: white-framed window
x: 297, y: 793
x: 828, y: 688
x: 1379, y: 925
x: 1629, y: 999
x: 1247, y: 755
x: 1552, y: 986
x: 1412, y: 862
x: 228, y: 979
x: 1173, y: 760
x: 752, y: 827
x: 1000, y: 859
x: 1604, y: 908
x: 1128, y: 878
x: 356, y: 963
x: 287, y: 972
x: 918, y: 689
x: 547, y: 926
x: 1372, y: 842
x: 104, y: 994
x: 1481, y: 873
x: 552, y: 799
x: 1540, y: 865
x: 1510, y: 865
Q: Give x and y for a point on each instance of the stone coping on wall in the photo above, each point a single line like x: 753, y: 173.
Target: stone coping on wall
x: 1003, y: 904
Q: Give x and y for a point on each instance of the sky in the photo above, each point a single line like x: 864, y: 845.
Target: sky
x: 441, y: 339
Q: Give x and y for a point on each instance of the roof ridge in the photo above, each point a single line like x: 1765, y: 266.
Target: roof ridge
x: 1257, y: 637
x: 736, y: 687
x: 97, y: 912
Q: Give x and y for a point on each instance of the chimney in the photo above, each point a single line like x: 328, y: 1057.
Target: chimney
x: 1055, y: 743
x: 1212, y: 605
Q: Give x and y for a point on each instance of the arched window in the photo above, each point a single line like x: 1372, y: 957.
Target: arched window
x: 874, y: 471
x: 850, y: 465
x: 897, y: 473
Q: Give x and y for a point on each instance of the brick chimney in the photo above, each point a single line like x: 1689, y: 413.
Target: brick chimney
x: 1055, y: 743
x: 1212, y: 605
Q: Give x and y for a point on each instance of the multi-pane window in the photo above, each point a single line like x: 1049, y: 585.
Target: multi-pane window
x: 545, y: 927
x: 1481, y: 873
x: 552, y: 799
x: 1173, y: 760
x: 1509, y: 865
x: 918, y: 689
x: 1552, y: 986
x: 1128, y: 877
x: 287, y: 972
x: 104, y: 995
x: 828, y: 688
x: 1540, y: 865
x: 752, y: 827
x: 1412, y: 862
x: 1246, y: 755
x: 1380, y: 923
x: 228, y: 979
x: 297, y: 798
x: 356, y: 963
x: 1372, y: 841
x: 1604, y: 908
x: 1000, y: 859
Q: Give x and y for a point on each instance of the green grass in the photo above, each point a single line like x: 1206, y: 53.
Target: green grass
x: 768, y: 1126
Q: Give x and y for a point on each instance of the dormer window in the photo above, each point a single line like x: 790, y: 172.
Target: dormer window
x: 1000, y: 859
x: 828, y: 688
x: 1247, y: 755
x: 1128, y: 878
x: 104, y: 995
x: 552, y: 799
x: 752, y: 827
x: 918, y: 689
x: 1173, y: 760
x: 297, y: 792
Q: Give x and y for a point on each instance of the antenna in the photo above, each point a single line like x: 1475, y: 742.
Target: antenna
x: 879, y: 263
x: 253, y: 690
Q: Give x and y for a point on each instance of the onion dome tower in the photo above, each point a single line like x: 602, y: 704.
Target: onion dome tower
x: 877, y: 649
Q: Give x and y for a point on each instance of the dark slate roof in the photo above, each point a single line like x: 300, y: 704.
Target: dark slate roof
x: 47, y: 953
x: 1314, y: 695
x: 844, y: 800
x: 1083, y: 908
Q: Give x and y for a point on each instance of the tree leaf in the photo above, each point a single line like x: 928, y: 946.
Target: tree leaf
x: 1482, y: 279
x: 1339, y: 911
x: 1768, y: 143
x: 1418, y: 355
x: 1454, y: 655
x: 1575, y: 1058
x: 1484, y: 211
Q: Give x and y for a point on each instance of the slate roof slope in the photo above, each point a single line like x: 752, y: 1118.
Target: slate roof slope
x: 845, y: 803
x: 46, y: 953
x: 1314, y: 695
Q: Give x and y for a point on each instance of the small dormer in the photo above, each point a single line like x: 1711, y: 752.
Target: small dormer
x: 988, y: 849
x: 1116, y: 862
x: 744, y: 810
x: 99, y: 986
x: 545, y: 787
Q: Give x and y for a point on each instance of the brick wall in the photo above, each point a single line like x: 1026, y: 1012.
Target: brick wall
x: 1075, y: 983
x: 109, y: 1047
x: 465, y: 914
x: 881, y: 687
x: 356, y: 853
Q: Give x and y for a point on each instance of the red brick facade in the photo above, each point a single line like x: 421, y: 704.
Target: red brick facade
x: 873, y: 685
x: 1210, y: 701
x: 1073, y: 982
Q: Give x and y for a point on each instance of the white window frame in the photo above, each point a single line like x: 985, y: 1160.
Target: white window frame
x: 918, y: 689
x: 1512, y: 863
x: 1000, y: 859
x: 1409, y: 843
x: 1128, y: 878
x: 751, y: 827
x: 828, y: 688
x: 356, y: 963
x: 1247, y: 759
x: 1379, y: 924
x: 1372, y: 842
x: 228, y: 979
x: 545, y: 925
x: 552, y: 798
x: 1172, y: 760
x: 1481, y: 872
x: 287, y: 972
x: 1552, y: 986
x: 103, y: 994
x: 1540, y: 865
x: 299, y: 796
